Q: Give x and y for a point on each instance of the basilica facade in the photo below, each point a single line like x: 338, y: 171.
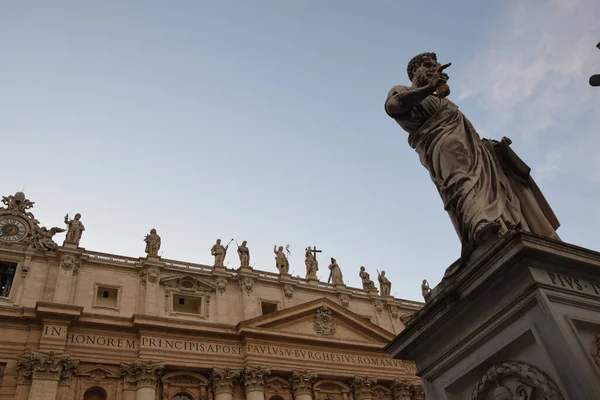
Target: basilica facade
x: 79, y: 324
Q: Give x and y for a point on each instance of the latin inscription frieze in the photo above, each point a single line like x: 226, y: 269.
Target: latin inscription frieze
x: 573, y: 284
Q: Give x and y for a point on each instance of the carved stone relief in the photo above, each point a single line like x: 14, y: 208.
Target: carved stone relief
x: 288, y: 291
x: 345, y: 300
x: 277, y: 386
x: 70, y: 262
x: 407, y: 389
x: 223, y: 380
x: 246, y: 284
x: 46, y: 366
x: 141, y: 373
x: 362, y: 385
x: 596, y: 350
x: 254, y: 377
x: 323, y: 322
x: 378, y: 306
x: 221, y: 284
x: 394, y: 311
x: 303, y: 381
x: 516, y: 380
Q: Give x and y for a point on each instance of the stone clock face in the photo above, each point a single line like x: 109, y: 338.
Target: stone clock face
x: 12, y: 229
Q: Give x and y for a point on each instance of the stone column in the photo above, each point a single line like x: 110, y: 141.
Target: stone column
x: 143, y: 376
x: 223, y: 382
x: 44, y: 370
x: 362, y: 385
x: 254, y: 382
x: 302, y: 384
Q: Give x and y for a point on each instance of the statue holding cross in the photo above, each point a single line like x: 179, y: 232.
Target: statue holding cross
x: 310, y: 260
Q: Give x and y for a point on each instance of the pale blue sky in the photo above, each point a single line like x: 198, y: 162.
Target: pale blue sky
x: 263, y: 121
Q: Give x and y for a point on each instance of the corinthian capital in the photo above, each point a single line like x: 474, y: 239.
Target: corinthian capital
x: 407, y: 389
x: 223, y: 380
x: 303, y: 381
x: 141, y: 373
x: 45, y: 365
x: 254, y: 378
x: 362, y: 386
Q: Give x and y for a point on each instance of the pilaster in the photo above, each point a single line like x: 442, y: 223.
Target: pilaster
x: 150, y: 278
x: 250, y: 306
x: 70, y: 262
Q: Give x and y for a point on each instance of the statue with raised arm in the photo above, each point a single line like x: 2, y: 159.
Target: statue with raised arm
x: 219, y: 252
x: 281, y: 261
x: 486, y: 188
x: 244, y: 254
x: 367, y: 283
x: 312, y: 265
x: 74, y: 229
x: 152, y: 243
x: 335, y: 274
x: 385, y: 286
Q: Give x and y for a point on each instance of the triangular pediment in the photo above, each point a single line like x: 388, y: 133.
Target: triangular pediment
x: 322, y: 319
x: 98, y: 372
x: 188, y: 283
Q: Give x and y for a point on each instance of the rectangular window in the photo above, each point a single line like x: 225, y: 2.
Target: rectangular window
x: 268, y: 307
x: 106, y: 297
x: 187, y: 304
x: 7, y: 273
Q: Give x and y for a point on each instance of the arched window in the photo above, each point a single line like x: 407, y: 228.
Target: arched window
x: 95, y: 393
x: 182, y: 396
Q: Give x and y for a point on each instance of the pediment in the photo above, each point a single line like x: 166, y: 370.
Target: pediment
x: 188, y: 283
x: 322, y: 319
x: 98, y: 373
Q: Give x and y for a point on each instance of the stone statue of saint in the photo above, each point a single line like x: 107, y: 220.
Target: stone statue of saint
x: 425, y: 288
x: 281, y: 261
x: 219, y: 251
x: 152, y: 243
x: 367, y: 283
x: 74, y: 229
x: 486, y: 188
x: 385, y: 286
x: 335, y: 276
x: 312, y: 265
x: 244, y: 254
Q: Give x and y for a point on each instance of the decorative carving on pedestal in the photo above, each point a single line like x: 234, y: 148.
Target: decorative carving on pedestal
x: 378, y: 306
x: 246, y: 284
x: 303, y: 381
x: 395, y: 311
x: 362, y: 385
x: 45, y: 366
x: 221, y: 284
x: 70, y: 262
x: 288, y: 291
x: 516, y: 380
x: 254, y: 377
x: 596, y: 350
x: 323, y: 323
x: 345, y: 300
x: 141, y: 373
x: 150, y: 274
x: 223, y: 380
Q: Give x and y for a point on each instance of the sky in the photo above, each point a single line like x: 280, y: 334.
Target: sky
x: 264, y: 121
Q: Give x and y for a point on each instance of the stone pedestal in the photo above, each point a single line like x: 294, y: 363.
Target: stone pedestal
x: 521, y: 321
x: 150, y: 278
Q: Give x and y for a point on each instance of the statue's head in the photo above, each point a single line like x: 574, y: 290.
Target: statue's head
x: 280, y: 248
x: 362, y: 269
x: 424, y: 281
x: 77, y: 216
x: 244, y: 243
x: 19, y: 198
x: 218, y: 241
x: 421, y: 67
x: 332, y: 260
x: 153, y: 231
x: 382, y: 273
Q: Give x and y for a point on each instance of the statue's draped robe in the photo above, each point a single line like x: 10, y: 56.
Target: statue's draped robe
x: 481, y: 182
x: 336, y: 274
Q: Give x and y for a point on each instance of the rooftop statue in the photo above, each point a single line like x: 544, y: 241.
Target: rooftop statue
x: 244, y: 254
x: 152, y: 243
x: 74, y: 229
x: 486, y: 188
